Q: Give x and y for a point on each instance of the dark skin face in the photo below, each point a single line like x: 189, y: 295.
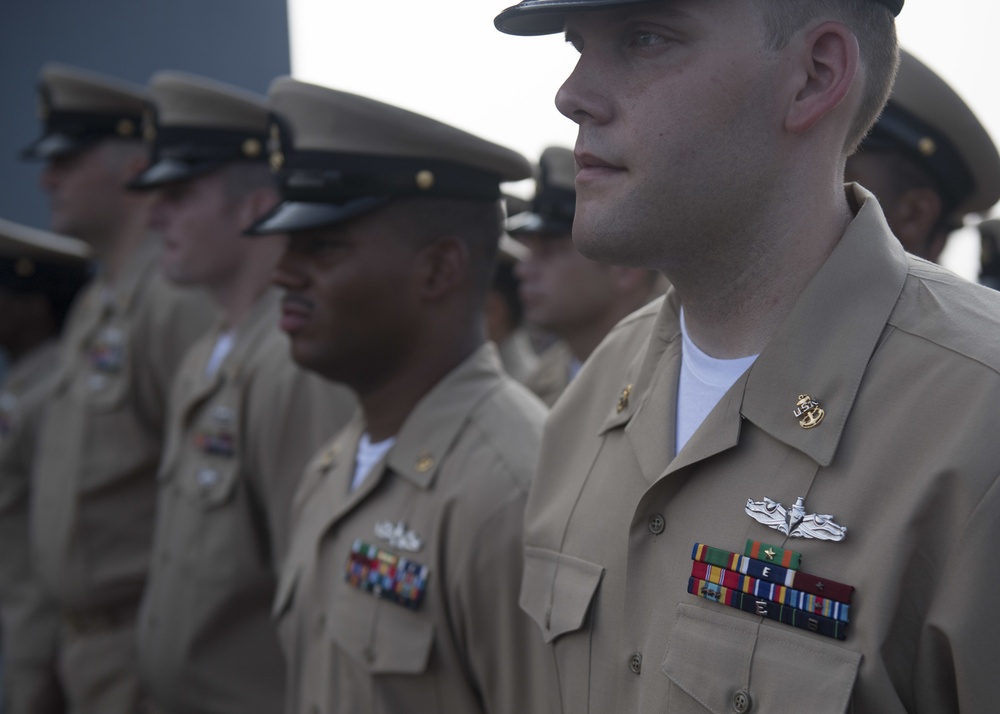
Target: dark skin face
x: 350, y: 302
x: 912, y: 211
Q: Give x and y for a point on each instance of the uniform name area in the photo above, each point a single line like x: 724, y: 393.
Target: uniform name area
x: 766, y: 590
x: 386, y: 576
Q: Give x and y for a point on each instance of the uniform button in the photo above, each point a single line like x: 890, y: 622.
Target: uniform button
x: 742, y: 702
x: 656, y: 524
x: 635, y: 663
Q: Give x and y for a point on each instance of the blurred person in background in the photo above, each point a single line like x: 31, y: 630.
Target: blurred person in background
x: 928, y: 160
x: 573, y: 297
x: 40, y: 275
x: 94, y: 488
x: 243, y: 418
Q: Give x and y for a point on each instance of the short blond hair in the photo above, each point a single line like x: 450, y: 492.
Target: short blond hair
x: 875, y: 28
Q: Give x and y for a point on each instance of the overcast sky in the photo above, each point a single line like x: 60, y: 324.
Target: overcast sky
x: 443, y: 58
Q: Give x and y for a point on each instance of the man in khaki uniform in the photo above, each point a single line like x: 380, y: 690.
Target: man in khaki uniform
x: 505, y: 313
x: 577, y: 299
x: 928, y: 160
x: 771, y: 491
x: 40, y: 273
x: 95, y: 486
x: 243, y: 418
x: 399, y: 592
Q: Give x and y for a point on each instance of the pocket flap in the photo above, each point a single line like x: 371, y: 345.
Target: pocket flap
x: 402, y: 638
x: 711, y: 655
x: 557, y: 589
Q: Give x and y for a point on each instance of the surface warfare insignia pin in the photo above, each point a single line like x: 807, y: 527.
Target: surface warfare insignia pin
x: 795, y: 522
x: 398, y: 536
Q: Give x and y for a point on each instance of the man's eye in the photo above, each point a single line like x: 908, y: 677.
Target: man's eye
x: 646, y: 39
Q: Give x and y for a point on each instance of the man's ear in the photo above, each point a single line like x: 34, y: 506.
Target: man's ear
x: 445, y: 266
x: 828, y: 65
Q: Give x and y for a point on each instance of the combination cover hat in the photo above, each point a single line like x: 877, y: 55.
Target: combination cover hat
x: 544, y: 17
x: 338, y: 155
x: 79, y: 108
x: 554, y: 204
x: 33, y: 260
x: 928, y: 122
x: 198, y: 125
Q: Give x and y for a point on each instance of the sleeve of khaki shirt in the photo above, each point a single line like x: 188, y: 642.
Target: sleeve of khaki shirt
x: 511, y: 665
x: 961, y: 632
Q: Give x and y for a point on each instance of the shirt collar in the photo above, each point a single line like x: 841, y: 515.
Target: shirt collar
x: 434, y: 424
x: 823, y: 347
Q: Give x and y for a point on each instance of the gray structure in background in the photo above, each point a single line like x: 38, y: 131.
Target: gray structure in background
x: 243, y: 42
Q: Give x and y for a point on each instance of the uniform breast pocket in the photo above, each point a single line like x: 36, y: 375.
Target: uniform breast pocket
x: 381, y: 637
x: 213, y: 525
x: 557, y: 590
x: 724, y: 664
x: 385, y: 656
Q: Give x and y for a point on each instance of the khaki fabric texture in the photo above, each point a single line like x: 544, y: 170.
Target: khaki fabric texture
x: 457, y: 478
x: 518, y: 358
x: 551, y: 375
x: 206, y: 639
x: 99, y: 445
x: 99, y: 671
x: 903, y: 357
x: 29, y: 620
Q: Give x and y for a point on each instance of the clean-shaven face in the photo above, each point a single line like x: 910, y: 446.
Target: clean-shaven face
x: 561, y: 290
x: 201, y: 227
x: 350, y: 294
x: 675, y: 103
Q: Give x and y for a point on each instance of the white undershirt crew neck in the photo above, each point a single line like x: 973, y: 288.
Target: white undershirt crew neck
x: 369, y: 454
x: 704, y: 380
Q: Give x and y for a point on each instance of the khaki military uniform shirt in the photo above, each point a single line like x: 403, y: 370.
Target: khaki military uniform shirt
x: 551, y: 375
x: 401, y: 596
x: 95, y: 485
x: 29, y: 619
x: 238, y: 442
x: 903, y: 358
x: 517, y: 355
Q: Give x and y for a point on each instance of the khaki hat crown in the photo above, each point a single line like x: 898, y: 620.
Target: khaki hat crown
x: 928, y: 122
x: 339, y: 154
x: 200, y: 124
x: 80, y: 107
x: 33, y: 260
